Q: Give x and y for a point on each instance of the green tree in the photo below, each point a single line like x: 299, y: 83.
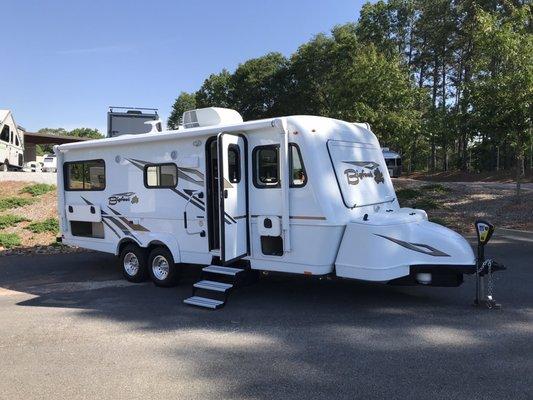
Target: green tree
x: 216, y: 91
x: 502, y: 90
x: 184, y: 102
x: 86, y: 133
x: 257, y: 86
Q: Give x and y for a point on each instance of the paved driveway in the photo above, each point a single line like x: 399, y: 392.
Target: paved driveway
x: 71, y: 328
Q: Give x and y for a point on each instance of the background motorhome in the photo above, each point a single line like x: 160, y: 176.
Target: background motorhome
x: 393, y: 161
x: 130, y: 120
x: 11, y: 142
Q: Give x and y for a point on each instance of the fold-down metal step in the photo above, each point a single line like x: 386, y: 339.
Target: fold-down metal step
x: 204, y: 302
x: 213, y: 285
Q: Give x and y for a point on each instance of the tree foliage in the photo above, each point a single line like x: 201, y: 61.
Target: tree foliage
x: 42, y: 149
x: 438, y: 80
x: 184, y: 102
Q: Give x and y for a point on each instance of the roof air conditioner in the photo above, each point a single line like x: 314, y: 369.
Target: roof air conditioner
x: 210, y: 116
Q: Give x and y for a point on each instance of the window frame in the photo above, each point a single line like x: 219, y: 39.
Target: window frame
x: 291, y: 167
x: 256, y: 181
x: 145, y: 175
x: 66, y: 176
x: 236, y: 147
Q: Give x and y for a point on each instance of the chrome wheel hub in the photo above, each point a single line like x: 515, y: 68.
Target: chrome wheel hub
x: 131, y: 264
x: 160, y: 268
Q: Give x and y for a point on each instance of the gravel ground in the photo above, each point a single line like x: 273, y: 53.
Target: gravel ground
x: 72, y: 328
x: 466, y: 202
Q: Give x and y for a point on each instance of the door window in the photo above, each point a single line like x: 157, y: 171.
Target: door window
x: 234, y: 163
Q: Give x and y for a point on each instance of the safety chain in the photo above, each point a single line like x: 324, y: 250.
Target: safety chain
x: 490, y: 282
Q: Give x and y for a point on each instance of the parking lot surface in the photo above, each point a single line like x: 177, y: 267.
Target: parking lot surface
x: 71, y: 328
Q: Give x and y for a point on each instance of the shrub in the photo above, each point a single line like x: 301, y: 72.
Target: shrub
x: 48, y: 225
x: 407, y: 194
x: 8, y: 203
x: 9, y: 240
x: 38, y: 189
x: 10, y: 219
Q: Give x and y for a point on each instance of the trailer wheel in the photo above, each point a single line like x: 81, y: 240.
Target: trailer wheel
x: 133, y: 262
x: 162, y: 269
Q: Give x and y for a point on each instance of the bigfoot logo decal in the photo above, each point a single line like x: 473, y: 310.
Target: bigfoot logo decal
x: 130, y: 197
x: 368, y: 169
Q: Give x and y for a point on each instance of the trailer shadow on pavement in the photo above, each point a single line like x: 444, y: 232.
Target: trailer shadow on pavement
x: 296, y: 337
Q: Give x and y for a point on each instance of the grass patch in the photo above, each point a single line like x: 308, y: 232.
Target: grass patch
x: 10, y: 219
x: 38, y: 189
x: 8, y: 203
x: 407, y: 194
x: 9, y: 240
x: 48, y: 225
x: 437, y: 188
x: 426, y: 204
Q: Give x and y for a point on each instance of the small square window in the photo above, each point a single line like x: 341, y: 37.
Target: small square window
x: 161, y: 176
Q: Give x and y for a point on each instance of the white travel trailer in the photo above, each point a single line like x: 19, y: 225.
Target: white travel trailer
x: 11, y: 142
x: 300, y: 194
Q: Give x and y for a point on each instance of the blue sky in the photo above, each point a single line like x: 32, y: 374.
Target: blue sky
x: 66, y: 61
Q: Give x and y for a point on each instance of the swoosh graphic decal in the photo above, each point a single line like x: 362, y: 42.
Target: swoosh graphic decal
x: 418, y: 247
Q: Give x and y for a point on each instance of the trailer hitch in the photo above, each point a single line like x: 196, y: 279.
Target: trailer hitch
x: 485, y: 268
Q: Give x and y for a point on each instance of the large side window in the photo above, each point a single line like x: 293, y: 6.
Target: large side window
x: 298, y: 175
x: 160, y: 176
x: 234, y: 163
x: 266, y: 166
x: 85, y: 175
x: 4, y: 136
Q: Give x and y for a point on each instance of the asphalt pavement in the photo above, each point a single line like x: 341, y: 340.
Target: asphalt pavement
x: 72, y: 328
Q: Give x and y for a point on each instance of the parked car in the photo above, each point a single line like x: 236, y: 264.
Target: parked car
x: 32, y: 166
x: 50, y: 163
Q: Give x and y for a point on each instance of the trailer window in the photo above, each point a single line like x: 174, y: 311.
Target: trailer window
x: 161, y: 176
x: 4, y: 136
x: 266, y: 166
x: 85, y: 175
x: 298, y: 175
x: 234, y: 163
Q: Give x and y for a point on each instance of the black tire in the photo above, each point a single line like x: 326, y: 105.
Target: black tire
x: 162, y: 269
x: 130, y: 255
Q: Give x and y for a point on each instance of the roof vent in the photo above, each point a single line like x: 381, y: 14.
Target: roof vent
x: 210, y: 116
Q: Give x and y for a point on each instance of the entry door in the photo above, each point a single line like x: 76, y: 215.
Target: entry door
x: 233, y: 194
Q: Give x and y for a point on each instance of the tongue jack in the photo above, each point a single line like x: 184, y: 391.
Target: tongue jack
x: 485, y: 268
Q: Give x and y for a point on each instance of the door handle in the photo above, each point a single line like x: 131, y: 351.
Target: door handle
x: 225, y: 193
